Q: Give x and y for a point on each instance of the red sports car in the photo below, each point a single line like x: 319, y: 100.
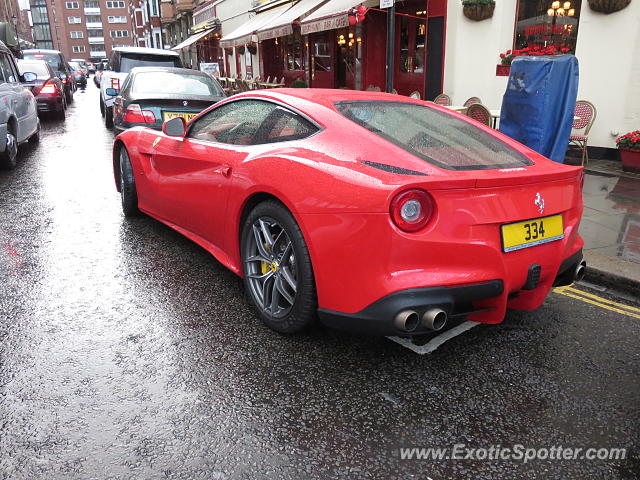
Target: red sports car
x: 371, y: 211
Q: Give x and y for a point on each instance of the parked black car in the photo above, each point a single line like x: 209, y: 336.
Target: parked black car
x: 58, y: 64
x: 151, y: 95
x: 47, y: 88
x: 78, y: 73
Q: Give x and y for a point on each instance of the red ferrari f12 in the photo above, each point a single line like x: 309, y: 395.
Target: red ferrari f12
x: 374, y: 212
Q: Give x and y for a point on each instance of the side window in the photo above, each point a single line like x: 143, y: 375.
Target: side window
x: 8, y: 72
x: 234, y: 123
x: 284, y: 125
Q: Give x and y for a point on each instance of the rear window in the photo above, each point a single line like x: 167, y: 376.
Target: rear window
x: 170, y: 83
x: 53, y: 59
x: 39, y: 68
x: 440, y: 139
x: 132, y: 60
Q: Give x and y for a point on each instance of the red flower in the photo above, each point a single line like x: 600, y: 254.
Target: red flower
x: 508, y: 52
x: 502, y: 55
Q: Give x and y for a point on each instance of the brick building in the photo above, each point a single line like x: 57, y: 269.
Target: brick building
x: 86, y: 29
x: 146, y: 23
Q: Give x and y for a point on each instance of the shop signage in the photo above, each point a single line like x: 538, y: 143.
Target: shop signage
x: 281, y: 31
x: 386, y: 3
x: 332, y: 23
x: 545, y: 29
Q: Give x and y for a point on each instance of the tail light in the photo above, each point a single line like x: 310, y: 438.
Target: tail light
x: 48, y: 88
x: 115, y: 83
x: 79, y: 72
x: 64, y: 80
x: 411, y: 210
x: 134, y: 114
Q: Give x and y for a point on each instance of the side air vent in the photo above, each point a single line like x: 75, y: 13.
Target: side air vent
x: 392, y: 169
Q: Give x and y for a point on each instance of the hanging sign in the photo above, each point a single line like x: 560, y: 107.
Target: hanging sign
x: 386, y: 3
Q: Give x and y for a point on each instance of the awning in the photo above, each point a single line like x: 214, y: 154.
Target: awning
x: 330, y: 16
x: 192, y: 39
x: 242, y: 34
x: 281, y: 26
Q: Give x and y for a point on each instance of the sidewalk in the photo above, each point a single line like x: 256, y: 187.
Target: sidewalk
x: 610, y: 224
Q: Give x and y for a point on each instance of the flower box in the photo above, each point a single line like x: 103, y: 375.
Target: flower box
x: 503, y: 70
x: 630, y: 158
x: 478, y: 11
x: 608, y: 6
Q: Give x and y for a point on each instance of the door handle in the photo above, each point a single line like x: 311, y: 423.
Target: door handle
x: 223, y: 169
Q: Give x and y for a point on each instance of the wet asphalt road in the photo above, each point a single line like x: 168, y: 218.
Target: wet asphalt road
x: 126, y: 351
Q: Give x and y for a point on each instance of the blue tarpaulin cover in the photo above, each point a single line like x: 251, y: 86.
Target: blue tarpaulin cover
x: 539, y: 104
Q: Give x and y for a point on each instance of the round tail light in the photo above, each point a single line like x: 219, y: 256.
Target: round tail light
x: 411, y: 210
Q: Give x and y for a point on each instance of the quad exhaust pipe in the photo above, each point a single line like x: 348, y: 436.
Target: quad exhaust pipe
x: 409, y: 320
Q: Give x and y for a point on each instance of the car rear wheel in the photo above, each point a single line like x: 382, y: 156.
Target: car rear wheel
x: 69, y: 95
x: 101, y: 107
x: 128, y: 193
x: 8, y: 156
x: 35, y: 138
x: 278, y: 274
x: 108, y: 117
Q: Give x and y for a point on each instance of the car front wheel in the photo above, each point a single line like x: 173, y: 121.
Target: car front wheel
x: 278, y: 274
x: 108, y: 117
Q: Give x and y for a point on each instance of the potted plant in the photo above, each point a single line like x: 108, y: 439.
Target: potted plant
x: 536, y: 50
x: 608, y: 6
x: 229, y: 51
x: 503, y: 69
x: 478, y: 9
x: 241, y: 50
x: 629, y: 147
x: 253, y: 48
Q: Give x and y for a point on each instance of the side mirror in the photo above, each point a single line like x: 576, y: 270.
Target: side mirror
x: 99, y: 67
x: 63, y: 76
x: 29, y: 76
x: 112, y: 92
x: 176, y: 127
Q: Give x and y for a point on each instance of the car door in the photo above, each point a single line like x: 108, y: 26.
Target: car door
x: 19, y: 100
x: 190, y: 176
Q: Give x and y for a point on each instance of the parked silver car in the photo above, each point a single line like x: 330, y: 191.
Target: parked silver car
x: 18, y: 109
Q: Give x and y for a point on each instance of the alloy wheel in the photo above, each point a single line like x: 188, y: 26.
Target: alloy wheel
x: 270, y: 267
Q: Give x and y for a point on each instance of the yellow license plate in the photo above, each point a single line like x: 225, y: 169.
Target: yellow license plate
x: 186, y: 116
x: 537, y: 231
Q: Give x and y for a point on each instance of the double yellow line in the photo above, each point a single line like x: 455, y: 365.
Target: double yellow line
x: 587, y: 297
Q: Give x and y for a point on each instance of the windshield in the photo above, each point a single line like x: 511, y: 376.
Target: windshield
x: 437, y: 137
x: 75, y: 65
x: 170, y: 83
x: 39, y: 68
x: 53, y: 59
x: 132, y: 60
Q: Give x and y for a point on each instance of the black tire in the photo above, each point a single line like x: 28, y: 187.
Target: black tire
x: 69, y: 95
x: 295, y: 306
x: 101, y: 107
x: 108, y: 117
x: 128, y: 193
x: 61, y: 114
x: 10, y: 153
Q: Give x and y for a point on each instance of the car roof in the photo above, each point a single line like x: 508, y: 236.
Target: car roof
x: 151, y: 51
x: 41, y: 50
x: 188, y: 71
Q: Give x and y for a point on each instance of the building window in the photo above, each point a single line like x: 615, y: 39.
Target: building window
x: 547, y: 23
x: 95, y: 33
x: 91, y: 4
x: 77, y: 48
x: 115, y: 4
x: 94, y: 19
x: 76, y: 34
x: 72, y: 5
x: 75, y: 20
x: 97, y: 47
x: 117, y: 19
x: 119, y: 33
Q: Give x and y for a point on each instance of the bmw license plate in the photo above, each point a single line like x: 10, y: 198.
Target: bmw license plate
x: 186, y: 116
x: 519, y: 235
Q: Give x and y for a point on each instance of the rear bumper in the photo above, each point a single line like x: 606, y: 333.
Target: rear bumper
x: 49, y: 103
x: 459, y: 302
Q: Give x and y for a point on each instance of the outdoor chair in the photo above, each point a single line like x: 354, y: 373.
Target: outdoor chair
x: 443, y: 99
x: 479, y: 113
x: 282, y: 81
x: 586, y: 113
x: 394, y: 91
x: 471, y: 101
x: 415, y: 94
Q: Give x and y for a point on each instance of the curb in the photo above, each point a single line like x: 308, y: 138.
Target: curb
x: 613, y: 273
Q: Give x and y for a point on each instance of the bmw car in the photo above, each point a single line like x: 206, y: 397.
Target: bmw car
x: 368, y: 211
x: 151, y: 95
